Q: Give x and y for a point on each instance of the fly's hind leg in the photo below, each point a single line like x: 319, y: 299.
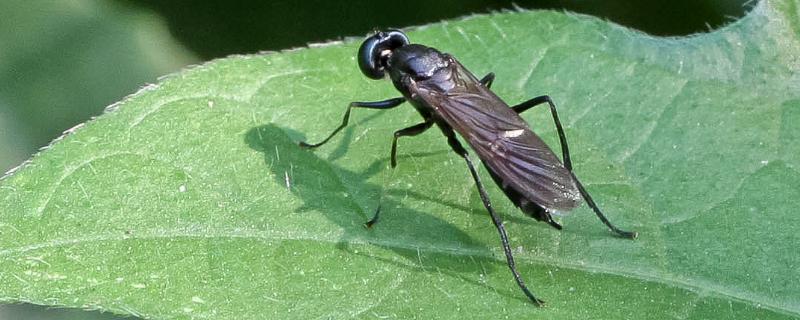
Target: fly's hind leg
x: 522, y: 107
x: 488, y: 79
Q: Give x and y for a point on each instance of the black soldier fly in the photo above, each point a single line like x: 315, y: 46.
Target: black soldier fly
x: 448, y: 95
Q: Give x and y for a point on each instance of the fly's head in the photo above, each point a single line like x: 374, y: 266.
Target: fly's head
x: 390, y: 51
x: 375, y: 52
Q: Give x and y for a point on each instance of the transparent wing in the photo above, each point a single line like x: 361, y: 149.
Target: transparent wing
x: 503, y: 141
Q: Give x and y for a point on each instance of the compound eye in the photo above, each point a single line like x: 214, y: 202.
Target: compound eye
x: 375, y: 51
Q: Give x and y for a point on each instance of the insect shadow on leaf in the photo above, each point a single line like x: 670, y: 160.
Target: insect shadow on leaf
x: 421, y: 238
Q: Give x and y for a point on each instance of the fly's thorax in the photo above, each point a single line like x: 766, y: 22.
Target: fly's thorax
x: 417, y: 63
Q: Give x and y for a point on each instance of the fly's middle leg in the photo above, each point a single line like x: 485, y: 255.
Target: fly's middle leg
x: 408, y: 132
x: 498, y: 222
x: 405, y: 132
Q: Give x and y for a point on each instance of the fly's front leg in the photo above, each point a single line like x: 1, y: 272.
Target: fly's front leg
x: 385, y: 104
x: 408, y: 132
x: 498, y: 223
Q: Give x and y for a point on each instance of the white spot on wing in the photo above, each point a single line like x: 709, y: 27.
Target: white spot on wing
x: 513, y: 133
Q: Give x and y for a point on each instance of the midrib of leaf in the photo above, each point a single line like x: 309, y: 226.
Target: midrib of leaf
x: 691, y: 284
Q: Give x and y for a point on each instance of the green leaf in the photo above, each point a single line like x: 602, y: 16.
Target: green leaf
x: 63, y: 61
x: 191, y: 198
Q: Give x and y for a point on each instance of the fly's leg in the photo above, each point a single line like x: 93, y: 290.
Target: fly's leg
x: 522, y: 107
x: 488, y: 79
x: 498, y: 223
x: 374, y: 219
x: 408, y: 132
x: 385, y: 104
x: 590, y: 202
x: 405, y: 132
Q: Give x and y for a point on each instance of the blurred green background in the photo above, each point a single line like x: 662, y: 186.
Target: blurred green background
x: 63, y: 61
